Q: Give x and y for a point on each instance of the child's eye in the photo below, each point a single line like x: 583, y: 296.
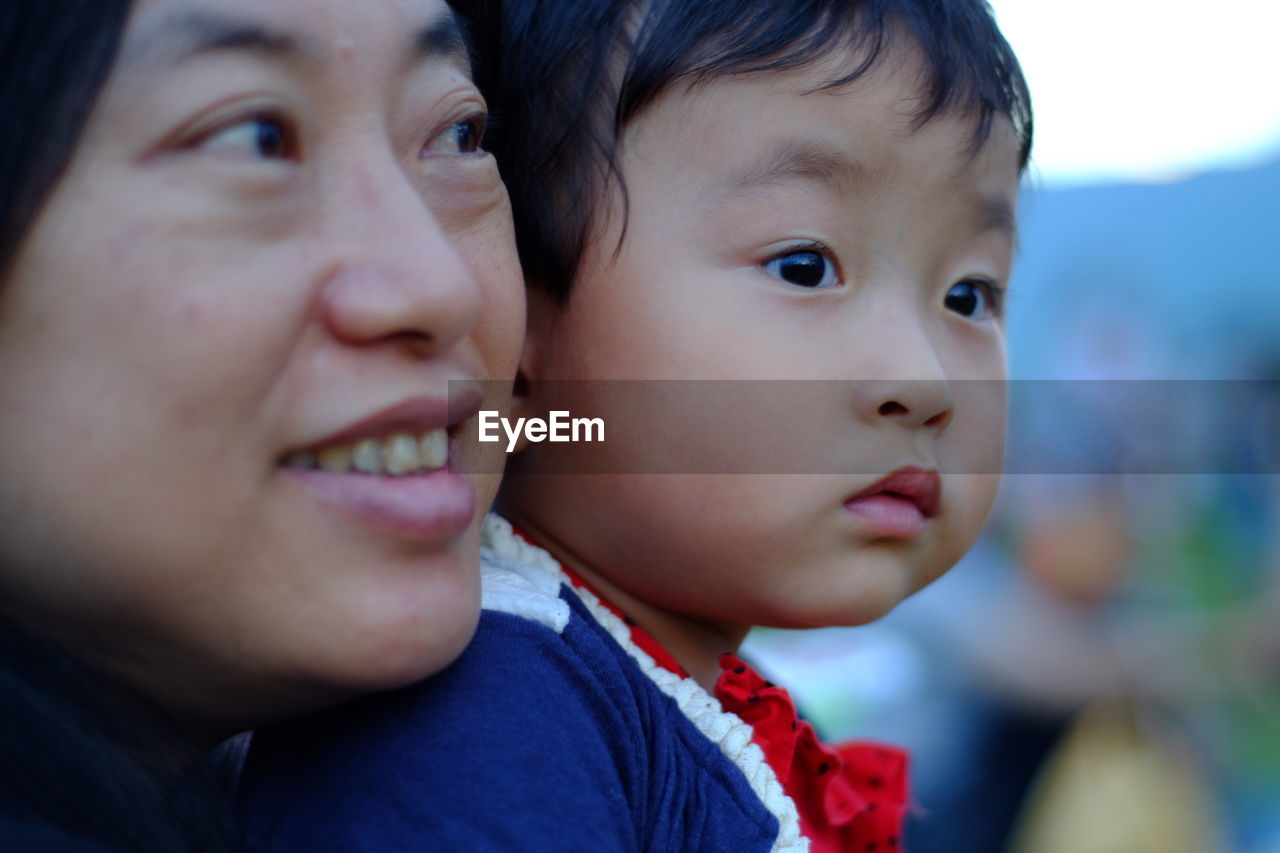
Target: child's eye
x: 462, y: 137
x: 809, y: 267
x: 974, y: 297
x: 265, y: 137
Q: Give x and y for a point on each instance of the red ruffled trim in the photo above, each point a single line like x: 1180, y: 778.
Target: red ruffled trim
x: 852, y: 798
x: 639, y: 636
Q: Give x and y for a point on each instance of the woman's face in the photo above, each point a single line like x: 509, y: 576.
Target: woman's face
x: 226, y: 351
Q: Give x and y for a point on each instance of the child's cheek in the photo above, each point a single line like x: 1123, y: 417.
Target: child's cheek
x: 970, y: 498
x: 974, y: 441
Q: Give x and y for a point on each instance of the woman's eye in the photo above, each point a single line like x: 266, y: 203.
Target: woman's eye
x: 463, y: 137
x: 262, y: 137
x: 973, y: 298
x: 807, y: 268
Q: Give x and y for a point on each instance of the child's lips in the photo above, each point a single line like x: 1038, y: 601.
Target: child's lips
x: 901, y: 504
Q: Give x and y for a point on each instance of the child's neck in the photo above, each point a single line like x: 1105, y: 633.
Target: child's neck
x: 696, y: 644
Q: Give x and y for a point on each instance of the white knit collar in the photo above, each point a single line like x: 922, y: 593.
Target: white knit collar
x: 524, y: 579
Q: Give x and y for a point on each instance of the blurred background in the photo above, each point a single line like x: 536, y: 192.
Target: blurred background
x: 1102, y: 673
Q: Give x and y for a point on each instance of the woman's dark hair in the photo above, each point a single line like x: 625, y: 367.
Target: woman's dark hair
x: 84, y: 764
x: 564, y: 78
x: 54, y: 58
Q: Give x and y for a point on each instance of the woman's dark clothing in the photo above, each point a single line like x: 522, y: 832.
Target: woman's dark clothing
x: 82, y: 764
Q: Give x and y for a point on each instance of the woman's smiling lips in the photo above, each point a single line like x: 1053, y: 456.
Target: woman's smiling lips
x: 393, y: 469
x: 900, y: 505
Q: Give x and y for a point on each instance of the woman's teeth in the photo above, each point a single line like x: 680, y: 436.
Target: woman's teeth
x: 395, y: 455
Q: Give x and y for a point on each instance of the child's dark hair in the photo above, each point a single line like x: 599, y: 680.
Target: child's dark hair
x: 561, y: 94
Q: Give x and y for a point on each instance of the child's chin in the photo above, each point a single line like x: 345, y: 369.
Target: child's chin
x: 836, y: 612
x: 879, y: 587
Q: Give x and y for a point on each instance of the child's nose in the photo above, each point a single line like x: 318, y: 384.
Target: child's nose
x: 915, y: 403
x: 906, y: 383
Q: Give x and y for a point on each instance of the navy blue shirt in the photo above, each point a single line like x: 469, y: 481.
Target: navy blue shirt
x: 536, y: 739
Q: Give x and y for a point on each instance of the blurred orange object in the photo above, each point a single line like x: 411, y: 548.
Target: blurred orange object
x: 1080, y: 553
x: 1112, y: 787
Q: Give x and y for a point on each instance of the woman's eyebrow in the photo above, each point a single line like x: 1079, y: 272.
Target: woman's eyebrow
x: 443, y: 38
x: 186, y: 34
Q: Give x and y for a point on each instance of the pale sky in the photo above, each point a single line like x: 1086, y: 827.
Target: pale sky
x: 1148, y: 90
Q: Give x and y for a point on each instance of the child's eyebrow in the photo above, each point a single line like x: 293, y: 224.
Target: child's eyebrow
x: 996, y: 213
x: 804, y: 159
x: 825, y: 166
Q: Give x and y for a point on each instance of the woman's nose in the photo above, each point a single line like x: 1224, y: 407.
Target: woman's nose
x: 402, y: 275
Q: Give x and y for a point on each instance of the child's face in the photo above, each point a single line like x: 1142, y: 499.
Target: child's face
x: 777, y: 232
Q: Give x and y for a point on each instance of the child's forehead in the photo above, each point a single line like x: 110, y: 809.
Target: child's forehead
x: 747, y: 131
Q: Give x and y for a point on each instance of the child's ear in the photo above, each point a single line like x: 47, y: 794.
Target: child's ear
x: 526, y: 402
x: 542, y: 312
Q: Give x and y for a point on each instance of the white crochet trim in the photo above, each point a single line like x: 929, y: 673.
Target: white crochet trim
x: 515, y: 580
x: 727, y: 731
